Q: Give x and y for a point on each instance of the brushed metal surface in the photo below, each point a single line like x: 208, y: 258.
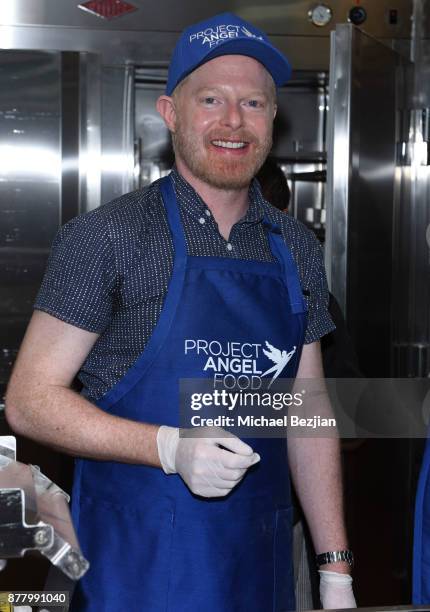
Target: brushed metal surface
x: 90, y: 112
x: 412, y: 257
x: 30, y: 179
x: 278, y: 17
x: 361, y: 191
x: 117, y: 132
x: 148, y: 47
x: 149, y: 34
x: 338, y: 166
x: 156, y: 152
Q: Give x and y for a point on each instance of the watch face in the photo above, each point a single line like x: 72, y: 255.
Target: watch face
x: 320, y: 15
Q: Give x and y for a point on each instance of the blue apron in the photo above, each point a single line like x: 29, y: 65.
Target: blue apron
x: 421, y: 554
x: 153, y: 546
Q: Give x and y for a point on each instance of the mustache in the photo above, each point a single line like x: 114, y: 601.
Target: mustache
x: 240, y: 136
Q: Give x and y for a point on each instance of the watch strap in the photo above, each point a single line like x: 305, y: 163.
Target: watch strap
x: 334, y: 556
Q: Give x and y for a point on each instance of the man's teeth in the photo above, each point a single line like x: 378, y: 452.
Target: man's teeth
x: 228, y: 144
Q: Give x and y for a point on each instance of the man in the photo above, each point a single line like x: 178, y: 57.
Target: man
x: 137, y: 295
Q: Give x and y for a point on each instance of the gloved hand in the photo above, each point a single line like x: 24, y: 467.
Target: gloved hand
x: 336, y: 590
x: 207, y: 469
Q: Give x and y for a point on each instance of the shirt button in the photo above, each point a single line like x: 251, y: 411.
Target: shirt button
x: 229, y: 246
x: 208, y: 213
x: 201, y: 220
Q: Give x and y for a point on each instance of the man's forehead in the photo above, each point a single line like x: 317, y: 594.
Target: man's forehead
x: 226, y: 69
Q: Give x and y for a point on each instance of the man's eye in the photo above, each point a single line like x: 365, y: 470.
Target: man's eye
x: 255, y: 103
x: 209, y: 100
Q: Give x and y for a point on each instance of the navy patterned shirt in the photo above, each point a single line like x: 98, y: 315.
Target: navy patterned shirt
x: 109, y: 270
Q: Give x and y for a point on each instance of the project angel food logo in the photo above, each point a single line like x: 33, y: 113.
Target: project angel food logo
x: 212, y: 36
x: 240, y: 387
x: 237, y: 364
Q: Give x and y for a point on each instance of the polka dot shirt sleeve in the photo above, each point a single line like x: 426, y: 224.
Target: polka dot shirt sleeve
x: 317, y: 296
x: 79, y: 280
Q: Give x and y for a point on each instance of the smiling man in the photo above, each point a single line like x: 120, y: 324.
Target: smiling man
x: 221, y: 120
x: 143, y: 292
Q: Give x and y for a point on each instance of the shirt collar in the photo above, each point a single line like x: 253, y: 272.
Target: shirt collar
x: 192, y: 203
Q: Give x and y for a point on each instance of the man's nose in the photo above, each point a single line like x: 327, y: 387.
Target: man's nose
x: 233, y: 115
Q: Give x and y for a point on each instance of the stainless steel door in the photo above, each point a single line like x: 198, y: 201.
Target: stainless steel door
x: 362, y: 190
x: 366, y: 187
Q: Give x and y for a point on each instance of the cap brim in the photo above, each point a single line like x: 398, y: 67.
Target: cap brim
x: 272, y: 59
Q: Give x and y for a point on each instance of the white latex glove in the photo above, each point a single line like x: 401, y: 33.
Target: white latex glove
x: 336, y: 590
x: 207, y: 469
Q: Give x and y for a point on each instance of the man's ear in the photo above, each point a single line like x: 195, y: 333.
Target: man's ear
x: 166, y: 108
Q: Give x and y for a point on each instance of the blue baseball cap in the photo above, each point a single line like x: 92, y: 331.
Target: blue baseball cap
x: 224, y: 34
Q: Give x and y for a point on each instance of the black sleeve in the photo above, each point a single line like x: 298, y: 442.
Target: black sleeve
x: 315, y: 285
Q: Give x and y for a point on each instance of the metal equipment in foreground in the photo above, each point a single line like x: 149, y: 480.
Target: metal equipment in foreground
x: 35, y: 516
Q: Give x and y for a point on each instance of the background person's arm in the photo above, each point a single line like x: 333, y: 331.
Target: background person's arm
x: 41, y: 405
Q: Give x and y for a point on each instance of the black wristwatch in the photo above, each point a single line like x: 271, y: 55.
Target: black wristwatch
x: 334, y: 556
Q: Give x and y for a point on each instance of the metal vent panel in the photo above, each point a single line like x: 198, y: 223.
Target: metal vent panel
x: 107, y: 9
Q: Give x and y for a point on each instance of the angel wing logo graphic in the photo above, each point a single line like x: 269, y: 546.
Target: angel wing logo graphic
x: 250, y: 34
x: 279, y: 358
